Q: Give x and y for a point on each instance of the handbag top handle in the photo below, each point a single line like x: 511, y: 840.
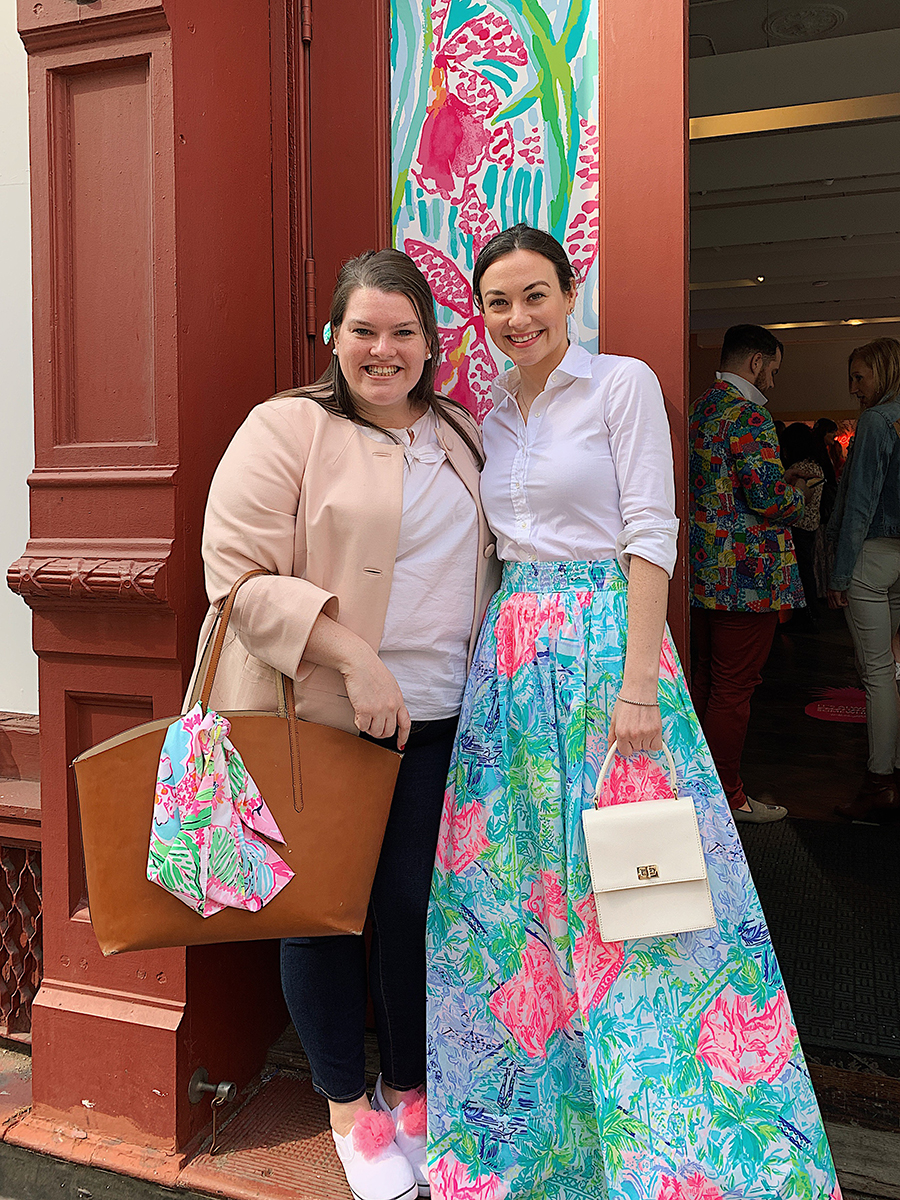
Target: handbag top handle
x: 285, y: 700
x: 604, y: 771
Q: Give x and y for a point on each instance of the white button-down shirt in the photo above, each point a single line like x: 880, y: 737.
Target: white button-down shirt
x: 590, y: 475
x: 430, y: 611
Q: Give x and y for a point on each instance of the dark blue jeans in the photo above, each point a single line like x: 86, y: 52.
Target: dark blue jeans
x: 324, y: 978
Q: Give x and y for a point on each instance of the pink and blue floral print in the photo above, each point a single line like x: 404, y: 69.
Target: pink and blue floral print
x: 207, y: 814
x: 562, y: 1066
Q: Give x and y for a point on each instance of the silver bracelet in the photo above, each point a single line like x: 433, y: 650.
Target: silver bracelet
x: 637, y: 703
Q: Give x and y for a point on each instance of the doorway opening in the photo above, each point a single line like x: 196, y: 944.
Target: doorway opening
x: 795, y: 225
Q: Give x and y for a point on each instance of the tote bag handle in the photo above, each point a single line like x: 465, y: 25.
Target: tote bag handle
x: 285, y: 685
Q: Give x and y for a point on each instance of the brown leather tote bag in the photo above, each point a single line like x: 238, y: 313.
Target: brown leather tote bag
x: 329, y: 791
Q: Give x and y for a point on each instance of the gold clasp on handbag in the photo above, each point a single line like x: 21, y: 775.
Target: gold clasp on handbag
x: 648, y: 872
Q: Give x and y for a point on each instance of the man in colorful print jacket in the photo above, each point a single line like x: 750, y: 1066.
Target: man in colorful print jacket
x: 743, y: 566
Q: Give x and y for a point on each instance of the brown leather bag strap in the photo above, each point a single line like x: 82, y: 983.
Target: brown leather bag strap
x: 224, y: 616
x: 284, y: 684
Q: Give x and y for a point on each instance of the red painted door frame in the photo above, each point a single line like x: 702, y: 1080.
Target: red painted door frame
x: 644, y: 219
x: 188, y: 223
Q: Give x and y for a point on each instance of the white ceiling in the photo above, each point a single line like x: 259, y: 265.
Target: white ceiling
x: 727, y: 26
x: 815, y: 211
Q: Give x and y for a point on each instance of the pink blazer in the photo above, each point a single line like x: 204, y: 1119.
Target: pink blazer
x: 310, y: 497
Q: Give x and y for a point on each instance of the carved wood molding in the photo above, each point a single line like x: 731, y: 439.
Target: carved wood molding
x: 91, y: 29
x: 88, y: 579
x: 93, y: 477
x: 103, y: 571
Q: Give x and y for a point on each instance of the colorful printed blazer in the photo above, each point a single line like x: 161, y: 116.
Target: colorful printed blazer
x: 741, y: 553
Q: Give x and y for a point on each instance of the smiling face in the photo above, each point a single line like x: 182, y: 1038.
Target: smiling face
x: 525, y: 310
x: 381, y: 350
x: 862, y: 383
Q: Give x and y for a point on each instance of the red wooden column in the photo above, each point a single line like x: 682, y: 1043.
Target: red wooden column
x: 152, y: 199
x: 644, y: 217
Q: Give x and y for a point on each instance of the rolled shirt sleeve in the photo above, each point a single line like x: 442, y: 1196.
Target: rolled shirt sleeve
x: 641, y: 446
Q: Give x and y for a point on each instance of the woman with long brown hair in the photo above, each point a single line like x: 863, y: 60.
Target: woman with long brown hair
x: 359, y: 493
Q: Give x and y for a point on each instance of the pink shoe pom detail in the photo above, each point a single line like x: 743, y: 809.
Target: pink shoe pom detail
x: 372, y: 1133
x: 414, y: 1122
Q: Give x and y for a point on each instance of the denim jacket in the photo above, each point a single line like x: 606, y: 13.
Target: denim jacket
x: 868, y: 499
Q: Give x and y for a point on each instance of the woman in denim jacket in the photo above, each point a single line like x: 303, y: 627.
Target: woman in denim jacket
x: 865, y: 577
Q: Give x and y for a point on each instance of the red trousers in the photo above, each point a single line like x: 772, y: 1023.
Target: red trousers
x: 728, y: 653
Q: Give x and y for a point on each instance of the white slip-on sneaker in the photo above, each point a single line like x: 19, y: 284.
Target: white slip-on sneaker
x: 375, y: 1166
x: 410, y: 1119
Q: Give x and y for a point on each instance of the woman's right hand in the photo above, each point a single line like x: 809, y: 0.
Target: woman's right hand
x: 376, y: 697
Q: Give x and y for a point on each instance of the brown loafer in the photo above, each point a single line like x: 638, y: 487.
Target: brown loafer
x: 876, y: 800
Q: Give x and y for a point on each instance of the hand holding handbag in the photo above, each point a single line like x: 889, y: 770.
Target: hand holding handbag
x: 647, y: 866
x: 329, y: 792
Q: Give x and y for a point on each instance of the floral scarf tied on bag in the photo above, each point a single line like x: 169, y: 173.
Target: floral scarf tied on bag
x: 207, y: 813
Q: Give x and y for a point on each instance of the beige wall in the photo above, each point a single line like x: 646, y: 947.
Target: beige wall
x: 812, y: 381
x: 18, y: 664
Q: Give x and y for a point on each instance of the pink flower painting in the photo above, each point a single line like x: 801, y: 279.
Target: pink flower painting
x: 583, y: 233
x: 597, y: 963
x: 463, y: 837
x: 535, y: 1002
x: 467, y: 366
x: 459, y: 131
x: 452, y: 1180
x: 744, y: 1044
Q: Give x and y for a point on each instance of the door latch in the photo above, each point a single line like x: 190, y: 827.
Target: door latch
x: 219, y: 1093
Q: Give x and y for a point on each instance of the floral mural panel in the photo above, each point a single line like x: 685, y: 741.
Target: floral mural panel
x: 494, y: 121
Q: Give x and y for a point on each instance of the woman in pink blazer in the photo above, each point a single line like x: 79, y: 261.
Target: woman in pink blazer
x: 360, y: 494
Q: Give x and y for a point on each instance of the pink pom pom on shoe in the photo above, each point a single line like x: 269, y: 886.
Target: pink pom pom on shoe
x: 372, y: 1133
x: 414, y: 1121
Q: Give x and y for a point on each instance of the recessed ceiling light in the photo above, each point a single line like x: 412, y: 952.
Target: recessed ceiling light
x: 760, y: 279
x: 810, y: 21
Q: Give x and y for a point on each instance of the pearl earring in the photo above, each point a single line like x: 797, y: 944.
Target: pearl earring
x: 334, y: 352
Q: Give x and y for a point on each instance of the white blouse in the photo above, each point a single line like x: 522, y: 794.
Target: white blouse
x: 590, y: 475
x: 432, y: 602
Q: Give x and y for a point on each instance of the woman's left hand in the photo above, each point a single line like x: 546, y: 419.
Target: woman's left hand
x: 635, y: 728
x: 836, y: 599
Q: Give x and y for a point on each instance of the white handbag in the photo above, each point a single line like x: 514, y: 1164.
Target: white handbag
x: 647, y: 865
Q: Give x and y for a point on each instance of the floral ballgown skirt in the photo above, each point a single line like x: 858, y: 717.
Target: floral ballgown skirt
x: 561, y: 1066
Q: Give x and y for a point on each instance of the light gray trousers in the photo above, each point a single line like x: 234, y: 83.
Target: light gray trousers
x: 873, y: 614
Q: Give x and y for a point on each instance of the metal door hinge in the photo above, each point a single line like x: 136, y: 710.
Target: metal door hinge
x: 309, y: 268
x: 306, y: 20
